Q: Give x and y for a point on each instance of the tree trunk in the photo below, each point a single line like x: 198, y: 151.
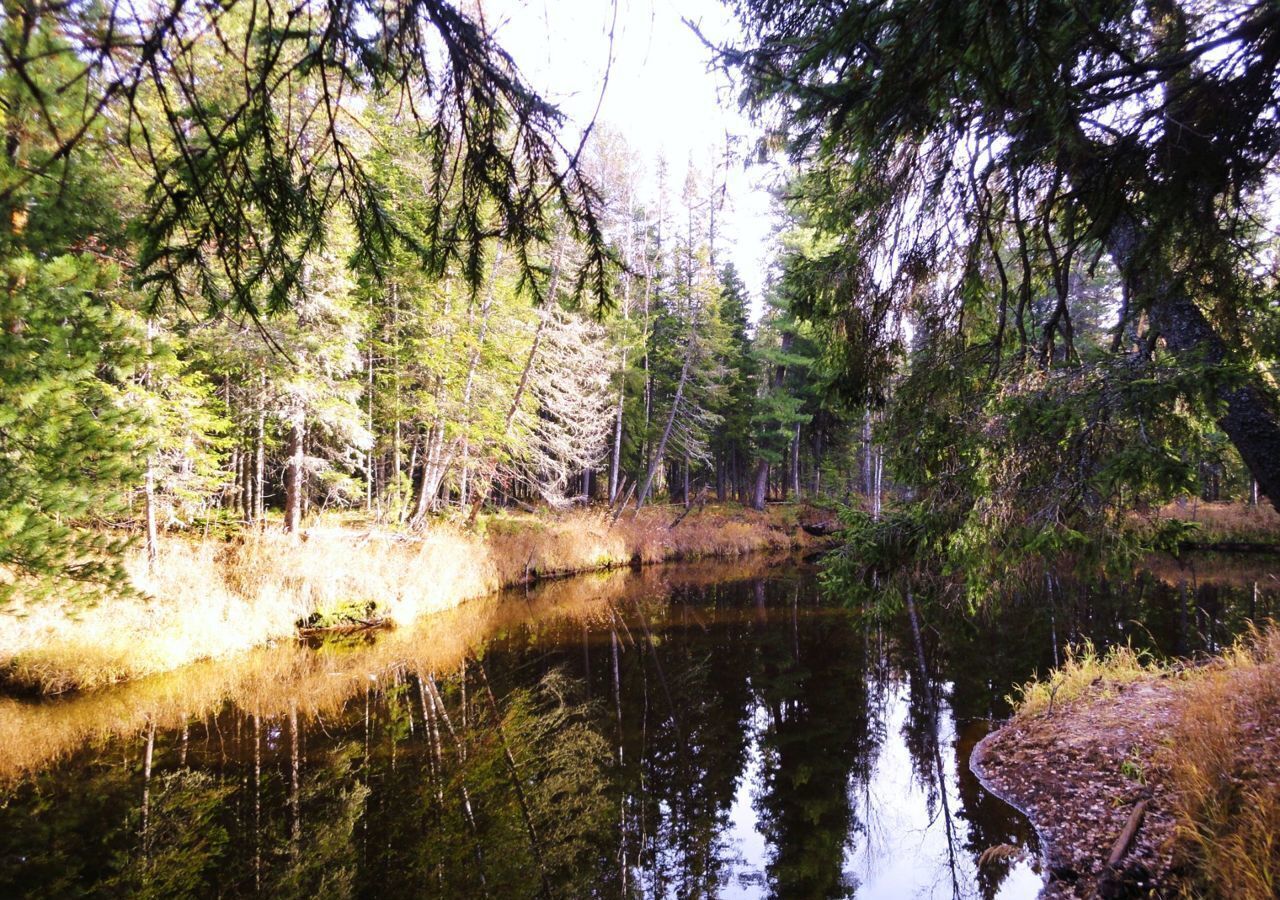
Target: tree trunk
x: 760, y: 485
x: 246, y: 483
x: 294, y: 475
x: 795, y: 462
x: 685, y: 489
x: 149, y: 491
x: 260, y: 469
x: 1250, y: 420
x: 867, y: 474
x: 671, y: 420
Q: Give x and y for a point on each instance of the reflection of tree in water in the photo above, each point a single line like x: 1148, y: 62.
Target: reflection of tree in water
x: 674, y: 676
x: 508, y: 797
x: 690, y: 747
x: 594, y: 754
x: 815, y: 745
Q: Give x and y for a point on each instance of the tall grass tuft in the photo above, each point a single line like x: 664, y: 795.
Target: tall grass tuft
x: 1084, y: 669
x: 1224, y: 770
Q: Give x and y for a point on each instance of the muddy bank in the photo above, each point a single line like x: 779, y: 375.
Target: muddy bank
x: 1078, y: 776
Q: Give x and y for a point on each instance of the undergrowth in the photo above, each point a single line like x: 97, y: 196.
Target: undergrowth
x: 1224, y: 769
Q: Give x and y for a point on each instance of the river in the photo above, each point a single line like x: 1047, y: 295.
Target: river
x: 705, y: 730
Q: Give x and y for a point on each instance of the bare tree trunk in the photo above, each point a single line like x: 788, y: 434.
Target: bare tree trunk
x: 294, y: 474
x: 260, y: 468
x: 149, y: 502
x: 868, y: 486
x: 373, y: 443
x: 246, y: 482
x: 875, y: 508
x: 671, y: 420
x: 685, y: 490
x: 615, y: 462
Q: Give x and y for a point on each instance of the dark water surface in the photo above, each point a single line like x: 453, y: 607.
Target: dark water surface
x: 682, y: 732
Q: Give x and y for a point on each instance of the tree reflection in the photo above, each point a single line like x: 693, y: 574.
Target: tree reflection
x: 669, y: 741
x: 816, y: 743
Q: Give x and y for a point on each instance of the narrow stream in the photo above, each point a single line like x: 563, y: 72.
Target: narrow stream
x: 693, y: 731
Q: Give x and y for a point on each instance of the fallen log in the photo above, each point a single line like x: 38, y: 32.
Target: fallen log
x: 352, y: 627
x: 1130, y: 831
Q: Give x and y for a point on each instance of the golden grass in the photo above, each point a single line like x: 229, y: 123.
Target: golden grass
x: 1084, y: 671
x: 1220, y: 522
x: 1224, y: 771
x: 207, y: 599
x: 318, y: 682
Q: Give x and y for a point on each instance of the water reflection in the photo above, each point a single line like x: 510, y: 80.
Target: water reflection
x: 675, y: 733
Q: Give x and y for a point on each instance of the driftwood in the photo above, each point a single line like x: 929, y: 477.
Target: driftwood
x: 821, y: 529
x: 1127, y: 834
x: 1119, y: 881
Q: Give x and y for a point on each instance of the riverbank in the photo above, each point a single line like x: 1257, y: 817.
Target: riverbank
x: 207, y: 598
x: 1189, y: 753
x: 319, y: 680
x: 1228, y: 527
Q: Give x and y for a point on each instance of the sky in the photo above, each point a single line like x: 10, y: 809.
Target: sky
x: 660, y: 95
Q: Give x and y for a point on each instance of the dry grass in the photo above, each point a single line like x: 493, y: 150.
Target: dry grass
x: 1224, y: 772
x: 1225, y: 522
x: 318, y: 682
x: 1084, y: 672
x: 208, y: 599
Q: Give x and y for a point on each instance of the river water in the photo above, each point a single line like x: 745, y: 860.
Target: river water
x: 691, y: 731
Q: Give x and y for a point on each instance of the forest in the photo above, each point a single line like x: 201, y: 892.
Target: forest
x: 303, y: 287
x: 220, y: 315
x: 320, y: 316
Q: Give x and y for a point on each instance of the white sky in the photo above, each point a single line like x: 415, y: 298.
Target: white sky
x: 660, y: 96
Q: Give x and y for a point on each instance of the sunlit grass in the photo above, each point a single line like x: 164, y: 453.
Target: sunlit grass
x: 207, y: 599
x: 1084, y: 670
x: 1226, y: 522
x: 1227, y: 797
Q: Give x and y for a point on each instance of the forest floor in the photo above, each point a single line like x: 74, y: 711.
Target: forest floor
x: 206, y: 597
x: 1198, y: 745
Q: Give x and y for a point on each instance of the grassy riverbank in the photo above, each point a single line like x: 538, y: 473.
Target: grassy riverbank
x: 1222, y: 523
x: 318, y: 683
x: 1199, y: 744
x: 205, y: 598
